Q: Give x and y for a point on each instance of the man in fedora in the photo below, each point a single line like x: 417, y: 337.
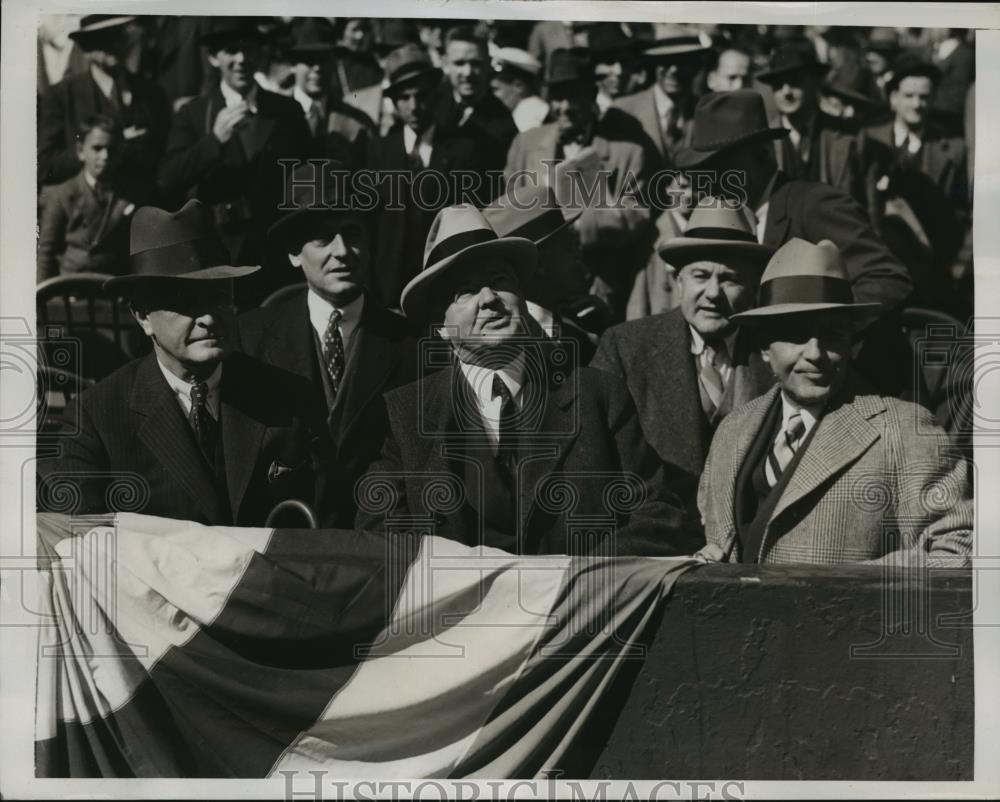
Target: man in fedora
x: 334, y: 334
x: 821, y: 469
x: 506, y: 445
x: 686, y: 369
x: 555, y: 289
x: 224, y: 148
x: 418, y: 162
x: 614, y: 229
x: 191, y: 431
x: 140, y: 107
x: 816, y: 148
x: 664, y: 109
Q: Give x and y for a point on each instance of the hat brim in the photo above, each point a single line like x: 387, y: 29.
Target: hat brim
x: 682, y: 251
x: 126, y: 284
x: 688, y: 157
x: 772, y: 75
x: 521, y: 254
x: 100, y: 27
x: 424, y: 74
x: 567, y: 222
x: 850, y: 95
x: 762, y: 314
x: 279, y: 230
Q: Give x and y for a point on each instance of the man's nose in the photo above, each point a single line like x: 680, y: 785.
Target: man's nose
x: 812, y: 350
x: 337, y: 246
x: 712, y: 287
x: 487, y: 296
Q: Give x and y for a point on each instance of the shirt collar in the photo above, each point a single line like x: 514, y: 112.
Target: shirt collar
x: 320, y: 310
x: 91, y: 181
x: 810, y: 414
x: 411, y: 138
x: 234, y: 98
x: 304, y: 100
x: 698, y: 342
x: 901, y: 134
x: 480, y: 378
x: 182, y: 389
x: 543, y: 316
x: 664, y: 105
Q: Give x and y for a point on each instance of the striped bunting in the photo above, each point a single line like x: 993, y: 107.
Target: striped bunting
x: 177, y: 649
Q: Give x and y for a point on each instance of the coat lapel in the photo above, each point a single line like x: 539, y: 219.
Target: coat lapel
x: 167, y: 435
x: 844, y: 434
x: 676, y: 408
x: 776, y: 224
x: 646, y: 108
x: 241, y: 433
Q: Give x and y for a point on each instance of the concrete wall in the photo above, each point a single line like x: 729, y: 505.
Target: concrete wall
x: 785, y: 673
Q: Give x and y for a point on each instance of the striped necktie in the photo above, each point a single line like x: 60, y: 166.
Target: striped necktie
x: 711, y: 382
x: 333, y: 350
x: 784, y: 448
x: 204, y: 425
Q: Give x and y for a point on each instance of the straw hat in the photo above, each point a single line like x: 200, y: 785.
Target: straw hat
x: 717, y: 234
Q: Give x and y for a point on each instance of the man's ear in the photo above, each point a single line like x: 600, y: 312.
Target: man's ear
x: 142, y: 318
x: 765, y: 354
x: 213, y: 60
x: 295, y: 259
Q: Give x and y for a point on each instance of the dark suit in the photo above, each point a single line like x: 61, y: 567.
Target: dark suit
x: 829, y: 153
x: 79, y: 231
x: 584, y: 437
x: 381, y: 356
x: 136, y: 451
x: 403, y: 222
x: 491, y: 124
x: 653, y: 357
x: 241, y: 180
x: 63, y: 107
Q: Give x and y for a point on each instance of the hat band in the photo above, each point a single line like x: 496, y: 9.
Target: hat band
x: 409, y: 71
x: 708, y: 232
x: 180, y: 257
x: 458, y: 242
x: 541, y: 226
x: 805, y: 290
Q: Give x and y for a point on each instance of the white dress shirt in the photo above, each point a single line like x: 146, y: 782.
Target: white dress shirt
x: 723, y: 362
x: 761, y: 213
x: 664, y: 108
x: 182, y: 390
x: 320, y: 310
x: 542, y: 316
x: 480, y: 379
x: 234, y: 98
x: 424, y: 143
x: 903, y: 135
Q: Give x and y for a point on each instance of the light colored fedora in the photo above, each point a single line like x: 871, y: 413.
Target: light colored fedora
x: 803, y: 277
x: 458, y: 235
x: 717, y: 233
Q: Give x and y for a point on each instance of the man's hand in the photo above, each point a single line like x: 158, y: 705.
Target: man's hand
x: 132, y: 132
x: 227, y: 120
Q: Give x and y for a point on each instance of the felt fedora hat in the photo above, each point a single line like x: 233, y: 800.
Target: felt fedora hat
x: 93, y: 26
x: 909, y: 64
x: 529, y: 211
x: 458, y: 235
x: 725, y: 120
x: 314, y: 189
x: 569, y: 66
x: 227, y: 30
x: 803, y: 277
x: 175, y: 246
x: 717, y: 233
x: 406, y: 64
x: 798, y: 56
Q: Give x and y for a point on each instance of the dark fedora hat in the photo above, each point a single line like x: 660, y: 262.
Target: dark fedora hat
x: 569, y: 66
x: 909, y: 64
x: 608, y: 43
x: 93, y: 26
x: 314, y: 190
x: 407, y: 64
x: 393, y: 33
x: 175, y: 246
x: 724, y: 120
x: 226, y: 30
x: 798, y: 56
x: 310, y: 41
x: 854, y: 84
x: 531, y: 211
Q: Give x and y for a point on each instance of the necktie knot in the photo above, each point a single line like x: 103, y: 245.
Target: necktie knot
x: 795, y: 428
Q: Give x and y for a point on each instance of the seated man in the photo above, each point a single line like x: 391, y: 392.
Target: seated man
x: 507, y: 446
x: 333, y: 333
x: 191, y: 431
x: 820, y: 469
x: 687, y: 368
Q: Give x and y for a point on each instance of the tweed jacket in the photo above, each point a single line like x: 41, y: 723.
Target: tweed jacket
x: 876, y: 468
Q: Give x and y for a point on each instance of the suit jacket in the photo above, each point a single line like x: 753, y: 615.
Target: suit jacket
x: 403, y: 222
x: 382, y: 355
x: 491, y: 124
x: 78, y: 232
x: 586, y: 439
x: 67, y: 104
x: 815, y: 211
x: 834, y: 157
x: 134, y: 449
x: 874, y: 466
x: 642, y: 107
x: 653, y: 356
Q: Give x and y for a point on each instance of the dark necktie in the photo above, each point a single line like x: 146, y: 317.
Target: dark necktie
x: 506, y: 456
x: 333, y: 350
x: 315, y: 117
x: 784, y: 449
x: 205, y: 427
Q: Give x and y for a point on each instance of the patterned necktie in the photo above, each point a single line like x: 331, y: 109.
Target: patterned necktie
x: 711, y: 382
x: 204, y: 425
x: 784, y: 449
x: 333, y: 349
x: 508, y: 413
x: 314, y: 117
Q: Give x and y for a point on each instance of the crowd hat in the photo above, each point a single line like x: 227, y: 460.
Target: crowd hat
x: 909, y: 64
x: 310, y: 43
x: 569, y: 66
x: 406, y: 64
x: 792, y: 58
x: 854, y: 84
x: 725, y: 120
x: 608, y: 44
x: 459, y: 236
x: 226, y: 30
x: 717, y: 233
x: 531, y: 211
x: 516, y: 59
x: 675, y: 48
x: 314, y: 190
x: 803, y: 277
x: 175, y: 246
x: 95, y: 26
